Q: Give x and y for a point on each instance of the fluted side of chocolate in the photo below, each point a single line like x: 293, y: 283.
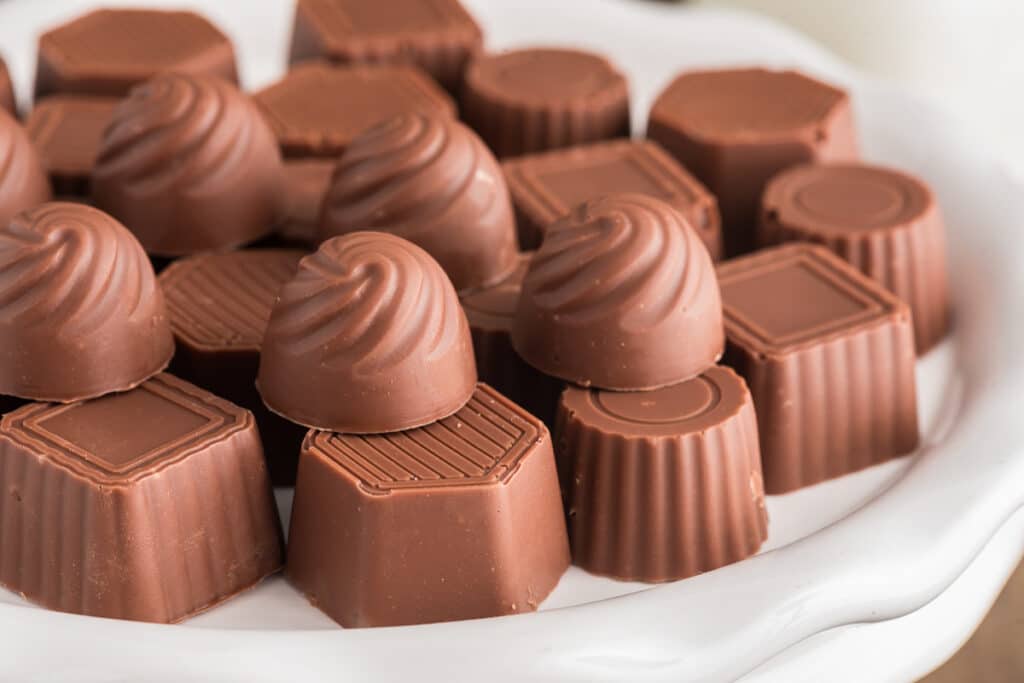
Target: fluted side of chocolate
x: 621, y: 295
x: 80, y: 312
x: 23, y: 182
x: 884, y: 222
x: 189, y: 164
x: 429, y: 179
x: 367, y: 337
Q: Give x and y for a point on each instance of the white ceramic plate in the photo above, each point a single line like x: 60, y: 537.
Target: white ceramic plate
x: 870, y: 547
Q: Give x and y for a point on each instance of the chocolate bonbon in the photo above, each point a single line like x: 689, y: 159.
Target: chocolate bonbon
x: 109, y: 51
x: 883, y: 221
x: 7, y: 100
x: 736, y: 128
x: 679, y: 467
x: 80, y: 311
x: 621, y: 295
x: 188, y: 164
x: 317, y: 109
x: 151, y: 505
x: 429, y: 179
x: 23, y: 182
x: 305, y: 184
x: 455, y: 520
x: 832, y: 377
x: 546, y: 186
x: 535, y: 99
x: 439, y: 36
x: 367, y: 337
x: 218, y: 304
x: 67, y: 131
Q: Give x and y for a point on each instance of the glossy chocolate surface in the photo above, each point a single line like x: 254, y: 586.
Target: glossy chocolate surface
x: 67, y: 130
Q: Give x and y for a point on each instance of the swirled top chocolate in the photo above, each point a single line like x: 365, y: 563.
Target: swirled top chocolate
x: 621, y: 295
x: 429, y: 179
x: 189, y: 164
x: 23, y: 182
x: 368, y: 337
x: 80, y: 312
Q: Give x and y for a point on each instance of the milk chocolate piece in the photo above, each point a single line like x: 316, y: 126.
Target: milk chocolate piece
x: 621, y: 295
x: 151, y: 505
x: 317, y: 109
x: 828, y: 354
x: 188, y: 164
x: 80, y: 312
x: 429, y: 179
x: 543, y: 98
x: 367, y: 337
x: 7, y: 100
x: 68, y: 130
x: 884, y: 222
x: 546, y: 186
x: 663, y: 484
x: 439, y: 36
x: 23, y: 183
x: 219, y: 304
x: 455, y: 520
x: 737, y: 128
x: 109, y: 51
x: 305, y: 184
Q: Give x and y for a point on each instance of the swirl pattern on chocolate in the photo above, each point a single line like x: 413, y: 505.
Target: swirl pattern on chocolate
x: 23, y: 182
x: 429, y: 179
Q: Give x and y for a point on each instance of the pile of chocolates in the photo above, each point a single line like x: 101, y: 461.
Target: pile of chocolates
x: 598, y: 350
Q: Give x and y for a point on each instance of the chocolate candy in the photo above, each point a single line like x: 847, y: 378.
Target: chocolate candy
x: 305, y: 184
x: 621, y: 295
x: 367, y: 337
x: 663, y: 484
x: 7, y: 100
x: 23, y: 182
x: 828, y: 354
x: 429, y: 179
x: 219, y: 304
x: 546, y: 186
x: 317, y: 109
x: 439, y: 36
x: 151, y: 505
x: 455, y: 520
x: 536, y: 99
x: 109, y: 51
x: 80, y: 312
x: 68, y: 130
x: 884, y: 222
x: 737, y: 128
x: 188, y: 164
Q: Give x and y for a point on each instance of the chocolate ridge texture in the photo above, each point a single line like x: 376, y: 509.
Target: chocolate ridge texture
x: 23, y: 182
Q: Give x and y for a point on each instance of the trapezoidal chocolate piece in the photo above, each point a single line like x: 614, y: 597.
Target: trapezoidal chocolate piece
x: 67, y: 130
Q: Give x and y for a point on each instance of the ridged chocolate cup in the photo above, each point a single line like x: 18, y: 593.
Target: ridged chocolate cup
x: 68, y: 131
x: 23, y: 182
x: 536, y: 99
x: 665, y: 484
x: 884, y: 222
x: 7, y: 101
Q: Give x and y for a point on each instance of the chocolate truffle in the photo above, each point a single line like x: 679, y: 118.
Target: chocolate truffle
x: 546, y: 186
x: 151, y: 505
x: 621, y: 295
x: 23, y: 183
x: 188, y: 164
x: 439, y: 36
x: 367, y: 337
x: 7, y: 100
x: 317, y: 109
x: 67, y: 130
x: 429, y: 179
x: 459, y: 519
x: 305, y: 185
x: 884, y: 222
x: 109, y: 51
x: 80, y: 312
x: 833, y: 377
x: 737, y: 128
x: 663, y: 484
x: 219, y: 304
x: 543, y: 98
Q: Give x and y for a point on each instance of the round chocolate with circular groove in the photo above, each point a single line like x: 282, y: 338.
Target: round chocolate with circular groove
x: 80, y: 311
x: 429, y: 179
x: 621, y: 295
x: 23, y: 182
x: 368, y: 337
x: 189, y: 164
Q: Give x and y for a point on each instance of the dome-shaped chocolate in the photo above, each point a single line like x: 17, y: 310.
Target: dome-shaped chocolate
x: 621, y: 295
x: 80, y: 311
x: 23, y: 182
x: 189, y: 164
x: 429, y: 179
x: 368, y: 337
